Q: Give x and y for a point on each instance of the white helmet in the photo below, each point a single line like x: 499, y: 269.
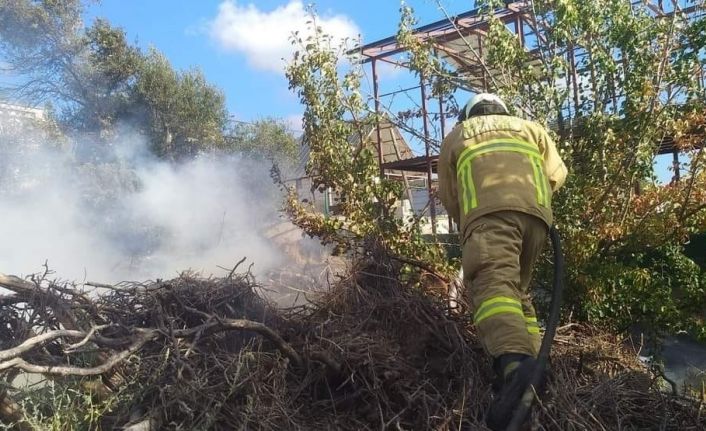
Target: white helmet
x: 482, y: 99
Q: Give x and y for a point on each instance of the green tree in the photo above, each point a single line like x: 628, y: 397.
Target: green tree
x: 39, y: 42
x: 639, y: 76
x: 99, y: 81
x: 185, y: 113
x: 109, y: 70
x: 267, y: 139
x: 335, y: 123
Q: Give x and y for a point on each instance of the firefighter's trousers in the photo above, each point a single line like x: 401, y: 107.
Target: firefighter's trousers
x: 499, y: 252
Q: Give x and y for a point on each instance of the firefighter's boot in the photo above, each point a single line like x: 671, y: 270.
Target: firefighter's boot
x: 515, y: 378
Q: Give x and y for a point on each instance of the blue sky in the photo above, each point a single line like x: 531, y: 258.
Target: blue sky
x: 239, y: 44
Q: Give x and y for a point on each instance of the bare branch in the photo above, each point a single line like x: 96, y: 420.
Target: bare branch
x: 79, y: 371
x: 86, y: 339
x: 61, y: 310
x: 233, y: 324
x: 16, y: 284
x: 36, y: 341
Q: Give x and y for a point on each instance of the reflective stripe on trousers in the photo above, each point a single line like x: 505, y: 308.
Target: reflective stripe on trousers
x: 503, y: 304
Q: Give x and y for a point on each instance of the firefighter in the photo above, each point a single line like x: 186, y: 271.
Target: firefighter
x: 497, y: 174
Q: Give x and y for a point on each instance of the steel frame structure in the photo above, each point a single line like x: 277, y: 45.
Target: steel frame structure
x: 459, y: 40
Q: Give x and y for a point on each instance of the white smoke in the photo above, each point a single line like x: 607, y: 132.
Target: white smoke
x: 130, y: 216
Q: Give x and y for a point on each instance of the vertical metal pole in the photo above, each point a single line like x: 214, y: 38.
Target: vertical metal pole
x: 480, y: 54
x: 675, y: 164
x: 404, y: 175
x: 442, y: 116
x: 568, y: 86
x: 377, y: 117
x: 575, y: 79
x: 442, y: 119
x: 432, y: 204
x: 520, y: 30
x: 613, y: 90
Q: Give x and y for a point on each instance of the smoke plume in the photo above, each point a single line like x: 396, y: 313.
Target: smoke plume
x: 128, y: 216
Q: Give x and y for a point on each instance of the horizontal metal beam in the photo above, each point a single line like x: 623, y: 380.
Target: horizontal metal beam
x: 439, y: 29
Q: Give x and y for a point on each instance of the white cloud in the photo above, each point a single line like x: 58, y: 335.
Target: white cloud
x: 264, y: 36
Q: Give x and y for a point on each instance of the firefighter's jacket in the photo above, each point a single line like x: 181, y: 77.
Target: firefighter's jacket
x: 492, y: 163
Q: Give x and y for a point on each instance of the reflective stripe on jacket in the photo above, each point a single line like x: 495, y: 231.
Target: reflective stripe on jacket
x: 494, y: 163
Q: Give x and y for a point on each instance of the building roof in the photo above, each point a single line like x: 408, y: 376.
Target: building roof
x: 394, y: 147
x: 416, y: 164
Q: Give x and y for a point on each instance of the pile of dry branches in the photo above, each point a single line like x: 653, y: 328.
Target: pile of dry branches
x: 370, y: 353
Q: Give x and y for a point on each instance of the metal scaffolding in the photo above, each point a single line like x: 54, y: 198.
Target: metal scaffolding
x: 459, y: 42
